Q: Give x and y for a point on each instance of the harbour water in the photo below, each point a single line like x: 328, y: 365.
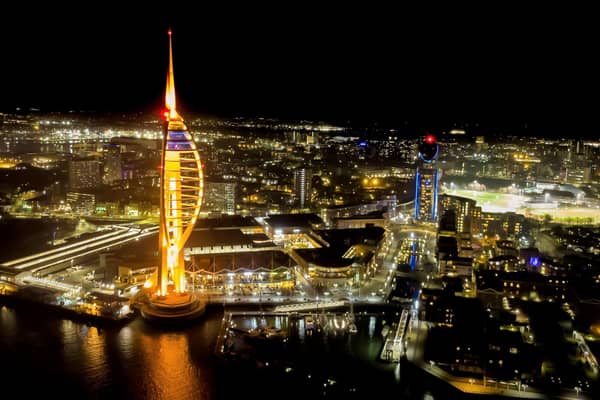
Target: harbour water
x: 44, y: 356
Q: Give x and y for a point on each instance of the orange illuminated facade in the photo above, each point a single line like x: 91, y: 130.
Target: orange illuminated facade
x: 180, y: 192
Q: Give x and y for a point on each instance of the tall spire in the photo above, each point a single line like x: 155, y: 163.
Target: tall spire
x: 170, y: 92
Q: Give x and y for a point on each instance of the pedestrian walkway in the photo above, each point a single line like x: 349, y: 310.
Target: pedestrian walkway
x: 394, y: 347
x: 316, y: 305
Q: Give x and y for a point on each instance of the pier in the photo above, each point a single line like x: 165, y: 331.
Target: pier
x: 394, y: 346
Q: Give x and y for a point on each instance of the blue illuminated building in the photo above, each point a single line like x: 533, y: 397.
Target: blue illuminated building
x: 427, y: 181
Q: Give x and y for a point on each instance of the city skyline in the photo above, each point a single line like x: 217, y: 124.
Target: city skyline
x: 302, y: 258
x: 419, y: 69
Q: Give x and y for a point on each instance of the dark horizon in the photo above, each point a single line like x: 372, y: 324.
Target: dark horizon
x: 431, y: 72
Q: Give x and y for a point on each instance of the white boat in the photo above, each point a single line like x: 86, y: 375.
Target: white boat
x: 352, y: 328
x: 309, y: 322
x: 385, y: 330
x: 351, y: 320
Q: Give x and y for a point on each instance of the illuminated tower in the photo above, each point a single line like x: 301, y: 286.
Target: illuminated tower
x: 426, y: 181
x: 180, y: 192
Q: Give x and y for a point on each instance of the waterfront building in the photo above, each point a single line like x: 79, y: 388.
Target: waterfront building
x: 347, y: 258
x: 232, y: 255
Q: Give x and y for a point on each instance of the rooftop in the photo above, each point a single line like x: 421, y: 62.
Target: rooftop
x: 344, y: 238
x: 326, y: 257
x: 226, y: 221
x: 217, y: 237
x: 371, y: 215
x: 290, y: 220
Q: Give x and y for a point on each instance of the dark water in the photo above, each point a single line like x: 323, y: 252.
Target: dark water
x: 64, y: 359
x: 44, y: 356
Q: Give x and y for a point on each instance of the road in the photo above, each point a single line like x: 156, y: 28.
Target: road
x: 63, y: 254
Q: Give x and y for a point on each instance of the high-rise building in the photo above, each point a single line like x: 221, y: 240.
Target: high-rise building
x: 113, y: 170
x: 84, y: 174
x: 302, y: 186
x: 219, y: 197
x: 427, y: 181
x: 480, y: 144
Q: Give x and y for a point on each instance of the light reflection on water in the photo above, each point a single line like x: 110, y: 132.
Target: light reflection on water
x: 372, y: 322
x: 68, y: 359
x: 169, y: 370
x: 137, y: 361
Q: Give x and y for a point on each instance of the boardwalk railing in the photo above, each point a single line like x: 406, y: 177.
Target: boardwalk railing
x: 309, y: 306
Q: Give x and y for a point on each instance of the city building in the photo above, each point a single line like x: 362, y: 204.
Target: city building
x: 347, y: 259
x: 503, y: 225
x: 503, y: 263
x: 427, y: 181
x: 81, y: 203
x: 219, y: 197
x: 293, y: 230
x: 302, y: 187
x: 112, y: 164
x: 333, y: 213
x: 84, y: 174
x: 232, y: 255
x: 468, y: 214
x: 375, y: 218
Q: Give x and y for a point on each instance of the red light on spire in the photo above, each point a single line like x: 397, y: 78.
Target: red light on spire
x: 430, y: 139
x: 170, y: 32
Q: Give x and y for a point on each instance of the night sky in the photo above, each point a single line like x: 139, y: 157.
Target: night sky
x: 503, y: 67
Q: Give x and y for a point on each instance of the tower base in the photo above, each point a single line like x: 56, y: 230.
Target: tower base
x: 172, y: 308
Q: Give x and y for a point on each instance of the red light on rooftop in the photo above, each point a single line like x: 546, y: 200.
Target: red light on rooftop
x: 430, y: 139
